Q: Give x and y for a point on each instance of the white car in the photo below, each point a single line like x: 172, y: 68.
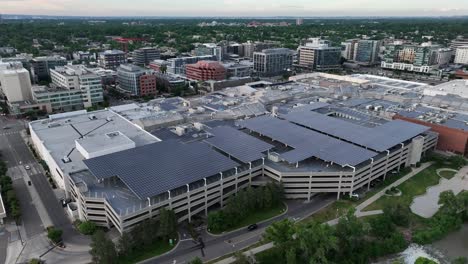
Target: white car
x: 27, y: 167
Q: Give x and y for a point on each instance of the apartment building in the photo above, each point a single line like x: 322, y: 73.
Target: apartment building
x: 206, y: 70
x: 461, y: 55
x: 144, y: 56
x: 111, y: 59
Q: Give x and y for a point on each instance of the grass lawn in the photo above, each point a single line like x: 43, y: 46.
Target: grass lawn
x: 447, y: 174
x: 257, y: 217
x: 336, y: 209
x: 157, y: 249
x: 415, y: 186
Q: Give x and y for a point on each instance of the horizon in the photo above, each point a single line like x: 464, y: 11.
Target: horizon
x: 235, y: 8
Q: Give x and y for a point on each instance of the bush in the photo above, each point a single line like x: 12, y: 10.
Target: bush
x: 196, y: 260
x: 54, y: 234
x: 35, y: 261
x: 87, y: 228
x: 422, y: 260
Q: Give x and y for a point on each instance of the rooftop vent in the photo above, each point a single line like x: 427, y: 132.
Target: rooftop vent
x: 53, y: 124
x: 66, y: 159
x: 113, y: 134
x: 92, y: 117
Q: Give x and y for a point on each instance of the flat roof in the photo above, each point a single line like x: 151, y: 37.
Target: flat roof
x: 307, y: 143
x: 379, y: 138
x: 157, y: 168
x: 58, y: 134
x: 238, y: 144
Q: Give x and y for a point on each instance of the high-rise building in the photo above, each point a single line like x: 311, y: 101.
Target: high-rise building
x: 270, y: 62
x: 206, y: 70
x: 136, y: 80
x: 417, y: 58
x: 251, y: 47
x: 177, y: 65
x: 443, y: 56
x: 318, y: 55
x: 15, y: 82
x: 348, y: 49
x: 111, y: 59
x: 72, y: 78
x: 459, y: 42
x: 144, y: 56
x: 299, y: 21
x: 367, y: 51
x: 41, y: 66
x: 209, y: 49
x: 461, y: 56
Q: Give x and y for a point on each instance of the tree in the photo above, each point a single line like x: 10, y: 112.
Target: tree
x: 87, y: 228
x: 398, y: 213
x: 196, y: 260
x: 460, y: 260
x: 350, y: 233
x: 167, y: 224
x: 102, y: 249
x: 423, y: 260
x: 291, y: 256
x: 317, y: 242
x: 126, y: 245
x: 382, y: 226
x: 280, y: 233
x: 54, y: 234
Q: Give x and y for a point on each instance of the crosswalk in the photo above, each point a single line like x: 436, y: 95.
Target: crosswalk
x: 9, y: 133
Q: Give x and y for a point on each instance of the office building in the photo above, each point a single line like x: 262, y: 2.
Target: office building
x: 443, y: 56
x: 239, y: 70
x: 156, y: 65
x: 460, y: 41
x: 410, y: 57
x: 310, y: 150
x: 251, y: 47
x: 318, y: 55
x: 461, y: 55
x: 299, y: 21
x: 111, y: 59
x: 208, y: 49
x: 15, y: 82
x: 41, y: 66
x: 271, y: 62
x: 148, y: 85
x: 177, y: 65
x: 349, y: 48
x: 73, y: 87
x: 83, y: 56
x: 144, y: 56
x: 128, y: 77
x: 367, y: 51
x: 206, y: 70
x: 168, y: 82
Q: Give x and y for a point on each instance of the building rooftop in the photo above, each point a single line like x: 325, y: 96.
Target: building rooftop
x: 60, y: 132
x: 456, y: 87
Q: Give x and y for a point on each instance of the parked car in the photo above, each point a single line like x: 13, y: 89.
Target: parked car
x: 252, y: 227
x: 27, y: 167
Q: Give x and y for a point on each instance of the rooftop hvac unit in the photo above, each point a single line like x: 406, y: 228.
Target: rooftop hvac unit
x: 180, y: 131
x: 53, y: 124
x: 109, y: 118
x: 66, y: 159
x: 92, y: 117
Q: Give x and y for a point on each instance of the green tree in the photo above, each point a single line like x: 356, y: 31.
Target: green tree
x: 280, y: 233
x: 102, y: 249
x: 54, y: 234
x: 167, y: 224
x: 317, y: 242
x: 196, y: 260
x: 398, y: 213
x: 350, y: 233
x: 87, y: 228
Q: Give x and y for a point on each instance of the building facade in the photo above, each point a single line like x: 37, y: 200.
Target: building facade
x: 177, y: 65
x: 148, y: 85
x: 128, y: 76
x: 461, y: 56
x: 15, y: 82
x: 206, y: 70
x: 111, y: 59
x: 271, y: 62
x: 367, y: 51
x: 41, y: 66
x: 144, y: 56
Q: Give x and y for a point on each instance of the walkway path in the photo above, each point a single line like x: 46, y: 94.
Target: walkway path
x: 427, y: 204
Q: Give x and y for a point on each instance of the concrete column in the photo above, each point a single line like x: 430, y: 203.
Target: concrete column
x: 189, y: 206
x: 250, y: 173
x: 401, y: 156
x: 237, y: 179
x: 339, y: 186
x: 206, y: 198
x: 370, y: 173
x: 222, y: 190
x: 170, y: 200
x: 149, y: 208
x: 386, y: 164
x: 310, y: 188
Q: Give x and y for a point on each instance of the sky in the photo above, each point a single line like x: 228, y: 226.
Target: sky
x: 236, y: 8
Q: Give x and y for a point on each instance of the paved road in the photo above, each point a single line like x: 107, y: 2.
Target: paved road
x: 17, y: 155
x: 217, y: 246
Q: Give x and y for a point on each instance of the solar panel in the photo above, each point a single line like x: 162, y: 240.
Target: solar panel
x: 379, y: 138
x: 156, y: 168
x: 238, y: 144
x: 307, y: 143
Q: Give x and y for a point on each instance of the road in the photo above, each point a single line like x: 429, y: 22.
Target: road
x: 34, y: 198
x: 217, y: 246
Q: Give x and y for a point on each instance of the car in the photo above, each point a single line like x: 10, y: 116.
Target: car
x: 252, y: 227
x: 27, y: 167
x: 6, y: 127
x: 354, y: 195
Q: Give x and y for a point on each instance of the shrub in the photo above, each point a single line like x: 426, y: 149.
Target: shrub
x: 87, y: 228
x: 422, y: 260
x: 54, y: 234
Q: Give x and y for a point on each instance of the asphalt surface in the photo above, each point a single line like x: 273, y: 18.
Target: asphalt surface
x: 217, y: 246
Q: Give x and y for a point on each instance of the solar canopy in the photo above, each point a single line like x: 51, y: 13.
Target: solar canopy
x: 379, y: 138
x: 156, y: 168
x: 238, y: 144
x: 307, y: 143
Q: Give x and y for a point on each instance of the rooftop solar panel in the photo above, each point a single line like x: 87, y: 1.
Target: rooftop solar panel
x: 156, y: 168
x: 307, y: 143
x: 379, y: 138
x: 238, y: 144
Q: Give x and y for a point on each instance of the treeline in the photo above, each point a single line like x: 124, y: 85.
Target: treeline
x: 450, y: 217
x: 245, y: 203
x: 350, y: 241
x: 8, y: 193
x: 142, y: 238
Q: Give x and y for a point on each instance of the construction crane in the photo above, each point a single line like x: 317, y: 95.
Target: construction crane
x: 124, y: 42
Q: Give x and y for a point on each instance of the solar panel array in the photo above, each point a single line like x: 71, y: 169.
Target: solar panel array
x: 238, y: 144
x: 310, y: 107
x: 156, y: 168
x: 307, y: 143
x: 379, y: 138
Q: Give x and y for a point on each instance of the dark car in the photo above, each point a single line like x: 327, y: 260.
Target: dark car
x: 252, y: 227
